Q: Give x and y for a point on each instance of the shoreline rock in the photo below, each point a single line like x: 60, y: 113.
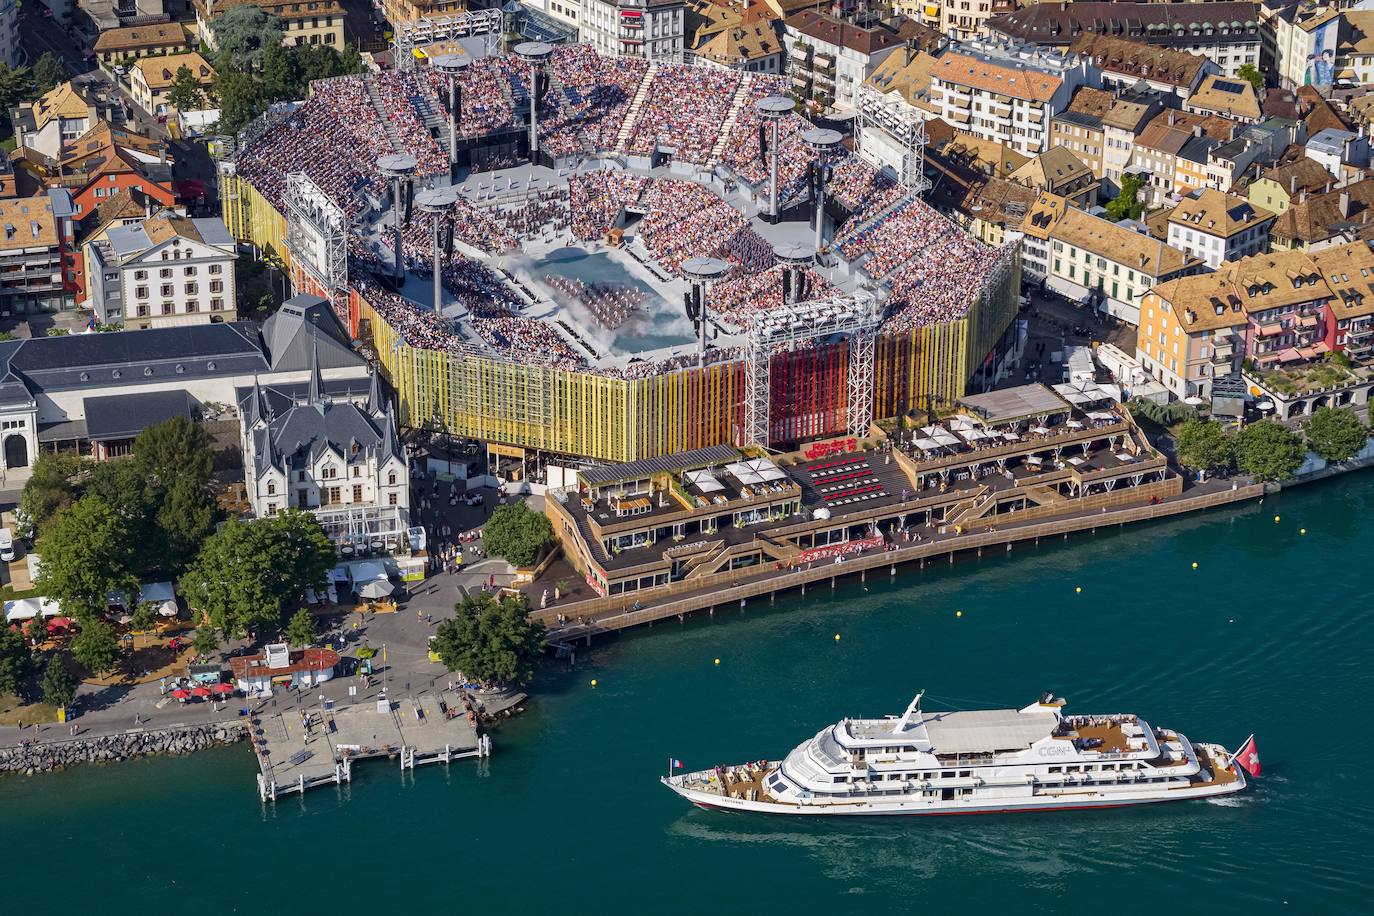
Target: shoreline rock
x: 50, y: 757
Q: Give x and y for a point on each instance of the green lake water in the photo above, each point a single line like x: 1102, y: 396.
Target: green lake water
x: 1271, y: 634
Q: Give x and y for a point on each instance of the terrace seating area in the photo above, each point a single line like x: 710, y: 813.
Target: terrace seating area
x: 846, y: 480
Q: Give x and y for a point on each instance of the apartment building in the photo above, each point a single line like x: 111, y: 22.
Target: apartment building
x: 106, y: 160
x: 1218, y: 227
x: 151, y: 78
x: 115, y: 46
x: 830, y: 57
x: 1007, y: 92
x: 1228, y: 33
x: 653, y: 29
x: 1097, y: 261
x: 1276, y: 189
x: 165, y: 271
x: 311, y: 22
x: 1280, y: 308
x: 1226, y: 97
x: 1326, y: 219
x: 1078, y: 128
x: 39, y: 266
x: 1136, y: 65
x: 56, y: 118
x: 1124, y: 121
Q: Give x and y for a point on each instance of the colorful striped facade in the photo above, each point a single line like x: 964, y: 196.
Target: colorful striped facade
x: 583, y: 413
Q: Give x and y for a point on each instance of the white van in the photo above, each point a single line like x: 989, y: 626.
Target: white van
x: 6, y: 545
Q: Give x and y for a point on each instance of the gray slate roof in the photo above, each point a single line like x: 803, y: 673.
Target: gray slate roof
x: 123, y: 416
x: 302, y: 323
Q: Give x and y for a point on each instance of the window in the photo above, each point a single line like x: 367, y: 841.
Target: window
x: 192, y: 306
x: 216, y: 286
x: 357, y: 493
x: 216, y: 268
x: 391, y: 479
x: 141, y: 292
x: 166, y: 289
x: 165, y: 273
x: 140, y: 275
x: 189, y: 271
x: 271, y: 509
x: 217, y: 304
x: 168, y: 308
x: 192, y: 288
x: 271, y: 488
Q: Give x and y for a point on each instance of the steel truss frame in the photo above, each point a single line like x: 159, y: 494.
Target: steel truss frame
x: 787, y: 327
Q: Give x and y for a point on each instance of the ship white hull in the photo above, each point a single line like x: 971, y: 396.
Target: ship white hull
x: 1105, y: 797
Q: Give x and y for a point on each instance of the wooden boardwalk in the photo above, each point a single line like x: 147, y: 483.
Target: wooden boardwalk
x: 301, y: 748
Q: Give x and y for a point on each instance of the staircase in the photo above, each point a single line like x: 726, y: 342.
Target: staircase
x: 392, y: 137
x: 622, y: 141
x: 968, y: 510
x: 736, y: 106
x: 432, y: 117
x: 559, y: 91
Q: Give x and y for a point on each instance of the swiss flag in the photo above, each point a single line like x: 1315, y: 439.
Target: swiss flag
x: 1248, y: 757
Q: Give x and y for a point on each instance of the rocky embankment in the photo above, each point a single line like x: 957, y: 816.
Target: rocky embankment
x: 45, y: 757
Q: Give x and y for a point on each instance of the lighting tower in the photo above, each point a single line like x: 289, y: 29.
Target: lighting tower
x: 438, y: 203
x: 822, y: 144
x: 534, y: 53
x: 702, y: 273
x: 794, y: 257
x: 771, y: 110
x: 453, y: 65
x: 400, y: 168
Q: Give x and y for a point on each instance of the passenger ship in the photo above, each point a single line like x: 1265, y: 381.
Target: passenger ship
x: 976, y: 762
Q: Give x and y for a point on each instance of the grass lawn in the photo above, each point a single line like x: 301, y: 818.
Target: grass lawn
x: 12, y: 712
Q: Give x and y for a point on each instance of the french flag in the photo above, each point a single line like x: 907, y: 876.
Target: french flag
x: 674, y: 763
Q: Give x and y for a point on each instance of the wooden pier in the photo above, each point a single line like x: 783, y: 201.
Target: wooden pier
x: 304, y: 747
x: 735, y: 588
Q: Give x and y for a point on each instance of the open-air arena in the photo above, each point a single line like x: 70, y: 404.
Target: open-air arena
x: 619, y: 280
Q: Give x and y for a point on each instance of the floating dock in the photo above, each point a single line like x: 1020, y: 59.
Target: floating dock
x: 303, y: 747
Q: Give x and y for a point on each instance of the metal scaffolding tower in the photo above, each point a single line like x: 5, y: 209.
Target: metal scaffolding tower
x: 317, y: 237
x: 421, y: 33
x: 903, y: 125
x: 784, y: 328
x: 439, y: 203
x: 771, y: 111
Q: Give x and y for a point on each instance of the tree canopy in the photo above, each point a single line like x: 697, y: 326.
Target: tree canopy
x: 243, y: 34
x: 96, y: 646
x: 1335, y: 433
x: 517, y: 533
x: 87, y: 555
x: 1205, y: 446
x: 1250, y: 73
x: 59, y: 684
x: 53, y: 486
x: 185, y: 93
x: 1269, y: 450
x: 1127, y: 205
x: 249, y: 573
x: 48, y: 73
x: 490, y: 639
x: 175, y: 449
x: 300, y: 629
x: 16, y: 661
x: 245, y: 87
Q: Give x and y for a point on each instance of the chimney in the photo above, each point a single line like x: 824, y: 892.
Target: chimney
x: 1197, y: 130
x: 1345, y: 204
x: 1171, y: 117
x: 1292, y: 185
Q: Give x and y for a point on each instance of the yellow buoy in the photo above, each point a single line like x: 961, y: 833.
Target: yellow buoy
x: 717, y: 661
x: 1195, y: 565
x: 1276, y: 518
x: 1302, y: 531
x: 1078, y: 589
x: 837, y: 637
x: 958, y: 613
x: 593, y: 682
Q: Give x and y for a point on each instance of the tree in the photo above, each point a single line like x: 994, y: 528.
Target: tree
x: 16, y: 661
x: 206, y: 640
x: 1127, y: 205
x: 1335, y: 433
x: 490, y: 640
x: 86, y: 556
x: 59, y: 684
x: 95, y: 646
x: 48, y: 73
x: 126, y: 489
x: 36, y: 630
x: 144, y: 616
x: 300, y: 629
x: 1269, y: 450
x: 52, y: 487
x: 1205, y: 446
x: 1250, y: 73
x: 518, y: 533
x: 240, y: 99
x: 248, y: 573
x: 175, y: 449
x: 15, y: 83
x: 350, y: 61
x: 242, y: 35
x: 281, y: 75
x: 184, y: 520
x: 185, y: 93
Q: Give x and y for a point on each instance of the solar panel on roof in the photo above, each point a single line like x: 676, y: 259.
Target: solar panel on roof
x: 1226, y: 86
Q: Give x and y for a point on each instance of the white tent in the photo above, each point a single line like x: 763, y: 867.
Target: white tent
x: 704, y: 481
x: 945, y: 437
x: 925, y: 444
x: 765, y: 468
x: 743, y: 473
x: 29, y: 608
x: 163, y: 594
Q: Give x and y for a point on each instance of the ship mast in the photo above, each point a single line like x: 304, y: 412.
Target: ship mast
x: 914, y: 708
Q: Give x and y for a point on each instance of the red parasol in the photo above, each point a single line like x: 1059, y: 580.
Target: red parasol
x: 59, y: 623
x: 200, y: 691
x: 181, y: 693
x: 223, y: 688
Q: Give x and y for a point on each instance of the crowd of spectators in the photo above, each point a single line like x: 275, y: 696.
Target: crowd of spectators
x: 737, y: 300
x: 587, y: 109
x: 685, y: 108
